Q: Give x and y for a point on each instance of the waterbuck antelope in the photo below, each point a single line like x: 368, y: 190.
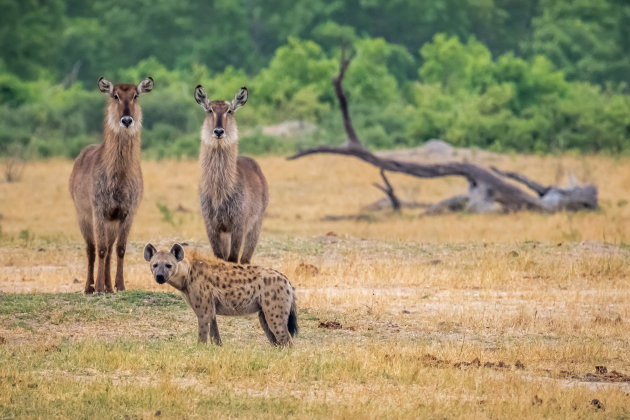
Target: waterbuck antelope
x: 233, y: 191
x: 106, y: 183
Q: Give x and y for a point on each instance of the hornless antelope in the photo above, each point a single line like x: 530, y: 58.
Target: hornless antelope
x: 233, y: 191
x: 106, y: 183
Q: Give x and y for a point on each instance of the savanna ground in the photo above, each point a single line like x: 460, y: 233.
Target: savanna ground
x: 451, y: 316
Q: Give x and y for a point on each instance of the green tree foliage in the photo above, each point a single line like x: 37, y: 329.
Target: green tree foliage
x: 29, y: 35
x: 525, y: 75
x: 589, y: 40
x: 509, y: 103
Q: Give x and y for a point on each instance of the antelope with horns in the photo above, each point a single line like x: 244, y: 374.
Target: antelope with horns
x: 233, y: 191
x: 106, y: 183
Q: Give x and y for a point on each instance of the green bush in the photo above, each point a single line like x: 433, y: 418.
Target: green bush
x: 260, y: 144
x: 462, y: 95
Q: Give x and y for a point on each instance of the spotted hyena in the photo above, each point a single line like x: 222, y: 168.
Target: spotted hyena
x: 215, y: 287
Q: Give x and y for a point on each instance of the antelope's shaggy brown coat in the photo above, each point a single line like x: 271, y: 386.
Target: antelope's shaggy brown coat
x: 233, y: 190
x: 215, y: 287
x: 106, y: 183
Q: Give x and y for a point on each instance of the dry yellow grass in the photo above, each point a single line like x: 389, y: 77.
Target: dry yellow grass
x: 416, y: 297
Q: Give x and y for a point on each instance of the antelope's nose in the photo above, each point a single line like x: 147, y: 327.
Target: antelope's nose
x: 160, y: 278
x: 218, y: 132
x: 126, y: 121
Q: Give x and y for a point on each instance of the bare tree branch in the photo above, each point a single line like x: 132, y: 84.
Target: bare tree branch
x: 485, y: 189
x: 353, y: 139
x: 389, y: 190
x: 540, y: 190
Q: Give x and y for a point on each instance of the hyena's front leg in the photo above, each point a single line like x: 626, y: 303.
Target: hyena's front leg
x: 206, y: 316
x: 203, y: 321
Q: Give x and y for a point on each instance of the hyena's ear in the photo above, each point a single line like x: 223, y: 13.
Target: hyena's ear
x: 178, y: 252
x: 105, y: 85
x: 149, y: 252
x: 146, y: 85
x: 240, y: 99
x: 202, y: 98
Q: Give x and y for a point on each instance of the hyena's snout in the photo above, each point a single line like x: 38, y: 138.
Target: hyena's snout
x: 161, y: 275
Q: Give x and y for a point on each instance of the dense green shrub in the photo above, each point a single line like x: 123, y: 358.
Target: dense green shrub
x: 461, y: 94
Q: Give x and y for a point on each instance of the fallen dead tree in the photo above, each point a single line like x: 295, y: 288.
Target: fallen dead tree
x: 488, y: 190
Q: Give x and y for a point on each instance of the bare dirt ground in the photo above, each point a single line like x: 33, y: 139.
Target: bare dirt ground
x: 517, y: 315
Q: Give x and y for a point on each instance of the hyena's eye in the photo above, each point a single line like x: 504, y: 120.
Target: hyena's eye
x: 169, y: 266
x: 154, y: 265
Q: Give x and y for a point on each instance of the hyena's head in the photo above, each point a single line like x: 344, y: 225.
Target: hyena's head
x: 163, y: 263
x: 219, y: 127
x: 123, y: 111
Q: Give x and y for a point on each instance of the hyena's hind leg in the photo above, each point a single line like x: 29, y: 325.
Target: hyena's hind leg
x: 214, y: 332
x: 277, y: 316
x: 265, y: 327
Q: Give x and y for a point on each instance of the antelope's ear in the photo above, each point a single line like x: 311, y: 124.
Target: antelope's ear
x: 178, y: 252
x: 105, y: 85
x: 202, y: 98
x: 146, y: 85
x: 149, y: 252
x: 240, y: 99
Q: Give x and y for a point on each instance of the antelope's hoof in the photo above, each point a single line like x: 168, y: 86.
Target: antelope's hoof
x: 89, y: 290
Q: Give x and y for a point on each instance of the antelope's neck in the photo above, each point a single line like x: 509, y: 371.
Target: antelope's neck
x: 219, y: 173
x: 121, y: 150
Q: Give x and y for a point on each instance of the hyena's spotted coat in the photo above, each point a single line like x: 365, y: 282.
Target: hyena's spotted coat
x: 216, y: 287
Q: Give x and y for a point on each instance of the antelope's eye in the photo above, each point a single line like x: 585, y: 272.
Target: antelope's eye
x: 155, y: 265
x: 229, y: 111
x: 169, y: 266
x: 116, y: 96
x: 210, y: 111
x: 135, y: 97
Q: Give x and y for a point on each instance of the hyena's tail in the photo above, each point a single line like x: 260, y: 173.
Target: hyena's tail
x: 292, y: 323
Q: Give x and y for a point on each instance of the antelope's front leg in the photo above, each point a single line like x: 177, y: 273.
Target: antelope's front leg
x: 235, y: 245
x: 121, y: 246
x: 100, y: 236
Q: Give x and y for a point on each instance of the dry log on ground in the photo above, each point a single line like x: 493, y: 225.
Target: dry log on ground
x: 488, y: 190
